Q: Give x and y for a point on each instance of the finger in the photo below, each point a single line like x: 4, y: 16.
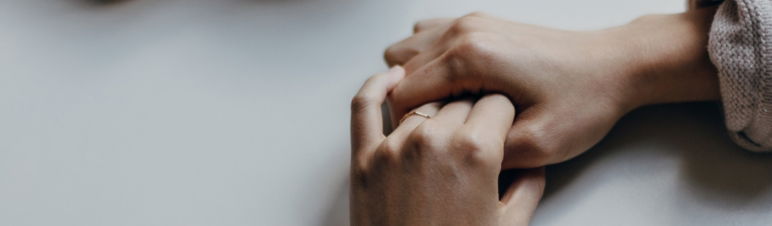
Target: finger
x: 522, y: 196
x: 429, y: 83
x: 403, y: 51
x: 491, y: 116
x: 448, y: 117
x: 455, y: 113
x: 412, y: 121
x: 366, y: 116
x: 423, y: 25
x: 422, y: 58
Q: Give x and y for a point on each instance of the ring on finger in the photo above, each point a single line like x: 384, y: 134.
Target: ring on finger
x: 417, y: 113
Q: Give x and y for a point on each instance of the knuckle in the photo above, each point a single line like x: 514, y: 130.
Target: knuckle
x: 425, y: 24
x: 395, y: 55
x: 366, y: 97
x: 388, y: 152
x: 532, y: 145
x: 468, y: 142
x: 359, y: 171
x: 477, y: 14
x: 465, y: 24
x: 360, y: 180
x: 390, y: 146
x: 469, y: 52
x: 419, y: 26
x: 390, y: 55
x: 475, y: 44
x: 456, y: 65
x: 426, y: 137
x: 474, y: 148
x: 457, y: 69
x: 360, y: 102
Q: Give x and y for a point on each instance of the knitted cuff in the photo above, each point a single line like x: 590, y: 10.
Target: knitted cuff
x: 740, y: 46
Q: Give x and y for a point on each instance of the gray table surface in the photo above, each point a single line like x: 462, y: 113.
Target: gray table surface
x: 235, y: 112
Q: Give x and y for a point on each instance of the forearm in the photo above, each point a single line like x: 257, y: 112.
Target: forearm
x: 668, y: 59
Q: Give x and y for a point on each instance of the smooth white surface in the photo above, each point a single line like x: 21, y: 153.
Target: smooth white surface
x: 235, y: 112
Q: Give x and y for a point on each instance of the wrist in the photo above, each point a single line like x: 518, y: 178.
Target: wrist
x: 665, y: 59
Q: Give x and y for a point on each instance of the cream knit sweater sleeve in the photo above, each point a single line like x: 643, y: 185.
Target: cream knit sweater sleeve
x: 740, y: 46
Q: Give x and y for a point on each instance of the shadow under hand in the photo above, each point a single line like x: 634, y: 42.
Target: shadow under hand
x: 102, y: 3
x: 713, y: 170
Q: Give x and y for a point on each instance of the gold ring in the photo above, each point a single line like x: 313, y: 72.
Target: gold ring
x: 418, y: 113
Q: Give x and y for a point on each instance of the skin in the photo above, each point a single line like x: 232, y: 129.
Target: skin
x: 438, y: 171
x: 570, y: 87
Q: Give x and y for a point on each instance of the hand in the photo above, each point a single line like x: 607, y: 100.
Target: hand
x: 569, y: 86
x: 438, y: 171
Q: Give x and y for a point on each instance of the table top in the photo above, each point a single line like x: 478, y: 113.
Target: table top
x: 235, y: 112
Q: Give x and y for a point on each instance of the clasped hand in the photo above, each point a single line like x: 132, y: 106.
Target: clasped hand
x: 441, y: 170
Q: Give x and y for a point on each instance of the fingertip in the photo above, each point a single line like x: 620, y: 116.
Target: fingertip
x: 397, y: 69
x: 505, y: 99
x: 396, y: 73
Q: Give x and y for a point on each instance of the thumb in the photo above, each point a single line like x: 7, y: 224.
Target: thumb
x: 522, y: 197
x: 533, y: 141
